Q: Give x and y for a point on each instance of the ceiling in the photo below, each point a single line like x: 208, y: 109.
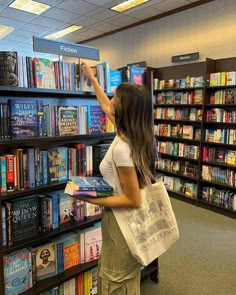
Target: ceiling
x: 94, y: 16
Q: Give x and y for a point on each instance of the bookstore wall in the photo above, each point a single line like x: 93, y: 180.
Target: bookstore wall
x: 207, y: 29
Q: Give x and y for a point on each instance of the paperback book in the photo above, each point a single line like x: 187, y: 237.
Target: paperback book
x: 17, y: 272
x: 88, y: 183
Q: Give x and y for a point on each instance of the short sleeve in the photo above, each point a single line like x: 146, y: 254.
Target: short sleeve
x: 121, y: 154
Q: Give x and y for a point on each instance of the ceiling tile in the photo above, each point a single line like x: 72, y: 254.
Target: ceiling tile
x: 10, y: 22
x: 170, y: 4
x: 145, y: 13
x: 80, y: 7
x: 84, y: 21
x: 102, y: 14
x: 47, y: 22
x: 60, y: 14
x: 35, y: 28
x: 17, y: 14
x: 50, y: 2
x: 121, y: 20
x: 5, y: 2
x: 100, y: 2
x: 105, y: 27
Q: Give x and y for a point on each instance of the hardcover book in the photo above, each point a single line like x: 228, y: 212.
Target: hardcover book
x: 44, y: 74
x: 44, y: 261
x: 136, y: 74
x: 23, y: 118
x: 68, y: 120
x: 115, y: 79
x: 89, y: 183
x: 96, y: 120
x: 23, y: 214
x: 8, y: 68
x: 17, y: 272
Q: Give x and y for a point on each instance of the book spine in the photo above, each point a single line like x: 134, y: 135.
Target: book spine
x: 9, y: 223
x: 31, y: 167
x: 55, y: 211
x: 3, y: 175
x: 60, y: 257
x: 4, y: 226
x: 40, y: 118
x: 10, y: 174
x: 45, y: 167
x: 43, y: 214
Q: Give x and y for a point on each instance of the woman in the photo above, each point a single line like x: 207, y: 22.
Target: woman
x: 132, y: 150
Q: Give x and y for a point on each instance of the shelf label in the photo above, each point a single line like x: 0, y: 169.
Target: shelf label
x: 185, y: 57
x: 68, y: 49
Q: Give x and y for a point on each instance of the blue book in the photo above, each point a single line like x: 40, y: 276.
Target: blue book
x: 55, y: 209
x: 3, y: 174
x: 30, y: 167
x: 23, y: 118
x: 136, y: 74
x: 115, y: 79
x: 106, y: 69
x: 40, y: 119
x: 17, y: 272
x: 88, y: 183
x: 45, y: 167
x: 63, y: 163
x: 96, y: 120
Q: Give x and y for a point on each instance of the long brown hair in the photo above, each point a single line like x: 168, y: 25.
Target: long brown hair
x: 134, y: 120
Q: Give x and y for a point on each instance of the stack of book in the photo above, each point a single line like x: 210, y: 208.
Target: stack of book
x: 88, y: 186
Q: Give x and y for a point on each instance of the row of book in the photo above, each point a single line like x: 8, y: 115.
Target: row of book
x: 226, y: 96
x: 38, y: 72
x: 180, y: 97
x: 83, y: 284
x: 33, y: 167
x: 173, y: 113
x: 222, y: 78
x: 219, y: 197
x: 179, y: 185
x: 180, y: 131
x: 23, y: 118
x: 221, y: 115
x: 227, y: 136
x: 179, y: 149
x: 181, y: 167
x: 36, y: 214
x: 218, y: 155
x: 218, y: 174
x: 178, y: 83
x: 48, y: 259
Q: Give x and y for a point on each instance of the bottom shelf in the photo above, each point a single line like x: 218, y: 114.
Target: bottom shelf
x: 151, y: 271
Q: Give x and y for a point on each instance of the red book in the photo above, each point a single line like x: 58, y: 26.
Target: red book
x: 10, y: 172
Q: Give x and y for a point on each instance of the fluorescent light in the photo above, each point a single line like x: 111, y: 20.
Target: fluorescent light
x: 29, y: 6
x: 5, y: 31
x: 62, y: 33
x: 128, y: 5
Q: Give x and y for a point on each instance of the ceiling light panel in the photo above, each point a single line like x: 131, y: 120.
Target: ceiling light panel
x: 128, y: 5
x: 4, y: 31
x: 29, y: 6
x: 64, y: 32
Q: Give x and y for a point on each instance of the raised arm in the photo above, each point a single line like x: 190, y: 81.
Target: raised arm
x: 101, y: 95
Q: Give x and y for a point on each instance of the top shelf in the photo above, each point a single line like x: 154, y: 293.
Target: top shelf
x: 23, y: 91
x: 178, y: 89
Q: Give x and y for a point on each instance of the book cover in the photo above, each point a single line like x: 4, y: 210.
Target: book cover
x: 115, y: 79
x: 136, y: 74
x: 93, y: 243
x: 96, y: 120
x: 44, y: 74
x: 9, y: 68
x: 66, y: 207
x: 45, y: 261
x: 17, y: 272
x: 23, y: 118
x: 82, y: 193
x: 106, y: 76
x: 53, y: 167
x: 85, y: 82
x: 87, y: 183
x: 68, y: 120
x: 24, y: 214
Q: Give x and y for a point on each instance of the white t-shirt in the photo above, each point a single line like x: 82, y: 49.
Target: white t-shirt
x: 120, y: 151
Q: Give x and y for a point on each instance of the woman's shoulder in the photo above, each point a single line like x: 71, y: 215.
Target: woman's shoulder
x: 121, y: 144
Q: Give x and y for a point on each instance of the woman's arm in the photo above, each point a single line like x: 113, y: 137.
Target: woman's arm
x: 101, y: 95
x: 131, y: 193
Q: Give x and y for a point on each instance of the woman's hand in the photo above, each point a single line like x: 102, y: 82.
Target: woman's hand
x: 88, y: 72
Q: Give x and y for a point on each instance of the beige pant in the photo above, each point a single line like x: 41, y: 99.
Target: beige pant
x: 119, y: 272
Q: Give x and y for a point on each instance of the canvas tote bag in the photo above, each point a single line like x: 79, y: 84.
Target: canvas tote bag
x: 151, y: 229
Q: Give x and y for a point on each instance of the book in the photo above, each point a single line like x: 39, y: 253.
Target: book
x: 136, y: 74
x: 93, y: 242
x: 88, y: 183
x: 83, y: 193
x: 17, y: 272
x: 67, y: 120
x: 115, y: 79
x: 96, y: 120
x: 44, y: 260
x: 23, y: 214
x: 43, y: 72
x: 85, y: 82
x: 23, y: 118
x: 9, y: 68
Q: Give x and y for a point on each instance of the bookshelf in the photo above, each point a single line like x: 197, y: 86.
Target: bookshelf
x: 214, y: 182
x: 46, y: 142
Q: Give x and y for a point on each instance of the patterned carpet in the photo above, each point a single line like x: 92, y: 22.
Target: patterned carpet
x: 203, y: 261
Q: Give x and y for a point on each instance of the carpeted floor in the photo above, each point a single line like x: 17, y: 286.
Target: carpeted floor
x: 203, y: 261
